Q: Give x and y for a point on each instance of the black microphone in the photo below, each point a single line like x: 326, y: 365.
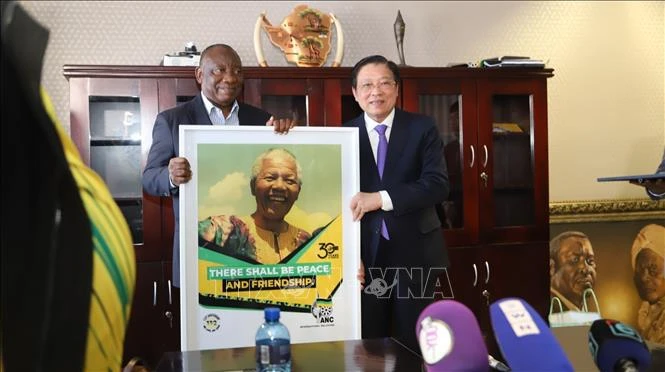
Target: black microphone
x: 617, y: 347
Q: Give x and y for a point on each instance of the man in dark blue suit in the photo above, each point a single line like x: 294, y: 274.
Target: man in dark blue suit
x: 401, y: 237
x: 220, y: 76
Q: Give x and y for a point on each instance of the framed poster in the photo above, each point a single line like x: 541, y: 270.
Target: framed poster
x: 265, y: 222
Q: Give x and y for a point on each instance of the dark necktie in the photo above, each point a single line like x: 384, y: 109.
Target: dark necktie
x: 380, y: 164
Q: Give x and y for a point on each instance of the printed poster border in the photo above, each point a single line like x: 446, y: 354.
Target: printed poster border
x: 195, y: 334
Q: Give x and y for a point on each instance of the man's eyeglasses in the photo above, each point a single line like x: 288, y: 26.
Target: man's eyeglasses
x: 383, y: 85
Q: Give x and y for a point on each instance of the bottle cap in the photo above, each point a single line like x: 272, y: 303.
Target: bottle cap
x: 271, y: 313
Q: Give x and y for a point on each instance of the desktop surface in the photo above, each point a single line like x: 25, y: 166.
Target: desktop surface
x: 383, y: 354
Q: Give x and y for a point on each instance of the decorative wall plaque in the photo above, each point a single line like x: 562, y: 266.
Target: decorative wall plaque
x: 303, y: 36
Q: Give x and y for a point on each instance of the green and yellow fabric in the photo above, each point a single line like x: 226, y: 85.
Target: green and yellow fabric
x: 68, y: 269
x: 114, y: 268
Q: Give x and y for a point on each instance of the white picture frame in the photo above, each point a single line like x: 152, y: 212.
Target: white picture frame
x: 223, y: 288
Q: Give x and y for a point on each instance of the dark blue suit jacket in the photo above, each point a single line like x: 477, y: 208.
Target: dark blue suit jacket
x: 416, y: 179
x: 165, y: 145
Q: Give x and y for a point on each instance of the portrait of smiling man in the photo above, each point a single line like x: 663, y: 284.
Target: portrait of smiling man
x: 265, y: 236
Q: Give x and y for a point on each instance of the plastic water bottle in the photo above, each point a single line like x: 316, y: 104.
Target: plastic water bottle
x: 273, y: 344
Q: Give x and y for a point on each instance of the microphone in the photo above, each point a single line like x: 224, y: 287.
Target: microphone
x: 524, y: 338
x: 498, y: 365
x: 449, y: 338
x: 616, y: 346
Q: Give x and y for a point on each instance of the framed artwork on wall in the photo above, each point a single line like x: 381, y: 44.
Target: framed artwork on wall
x: 607, y: 260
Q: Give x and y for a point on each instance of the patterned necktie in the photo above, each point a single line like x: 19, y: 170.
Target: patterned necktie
x: 380, y: 163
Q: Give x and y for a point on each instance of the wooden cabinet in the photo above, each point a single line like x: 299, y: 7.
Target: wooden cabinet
x: 494, y: 126
x: 154, y: 323
x: 112, y: 111
x: 493, y: 123
x: 315, y: 97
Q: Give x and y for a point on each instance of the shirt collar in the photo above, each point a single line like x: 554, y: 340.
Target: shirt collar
x: 209, y: 106
x: 388, y: 121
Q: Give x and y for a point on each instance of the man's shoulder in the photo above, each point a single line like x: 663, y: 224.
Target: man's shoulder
x: 355, y: 122
x: 252, y: 115
x: 417, y: 123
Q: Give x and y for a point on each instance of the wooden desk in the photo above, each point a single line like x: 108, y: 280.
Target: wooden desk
x: 358, y: 355
x: 368, y: 355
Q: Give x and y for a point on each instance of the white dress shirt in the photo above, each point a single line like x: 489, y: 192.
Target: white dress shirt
x: 217, y: 117
x: 370, y: 124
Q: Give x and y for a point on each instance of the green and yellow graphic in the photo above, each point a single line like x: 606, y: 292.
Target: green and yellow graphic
x: 311, y: 272
x: 269, y: 225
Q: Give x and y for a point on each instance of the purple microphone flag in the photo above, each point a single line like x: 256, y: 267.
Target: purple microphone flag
x: 450, y: 338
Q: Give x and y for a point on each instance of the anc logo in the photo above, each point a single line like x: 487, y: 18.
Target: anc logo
x: 322, y: 310
x: 211, y: 322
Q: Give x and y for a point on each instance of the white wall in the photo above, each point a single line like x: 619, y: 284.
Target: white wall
x: 606, y: 100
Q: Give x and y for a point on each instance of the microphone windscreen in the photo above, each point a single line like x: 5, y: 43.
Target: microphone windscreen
x: 611, y: 342
x: 525, y: 340
x: 450, y: 338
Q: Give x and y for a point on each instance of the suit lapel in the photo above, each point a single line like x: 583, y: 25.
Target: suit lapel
x: 242, y: 117
x: 371, y: 176
x: 399, y: 136
x: 199, y: 111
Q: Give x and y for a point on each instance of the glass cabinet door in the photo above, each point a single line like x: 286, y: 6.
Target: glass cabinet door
x: 340, y: 104
x: 298, y: 99
x: 111, y: 125
x: 324, y: 98
x: 176, y: 91
x: 512, y: 173
x: 115, y: 154
x: 451, y: 104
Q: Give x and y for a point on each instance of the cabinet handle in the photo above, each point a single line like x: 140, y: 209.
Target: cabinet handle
x: 154, y: 293
x: 473, y: 156
x: 487, y: 267
x: 486, y: 156
x: 170, y: 299
x: 475, y: 275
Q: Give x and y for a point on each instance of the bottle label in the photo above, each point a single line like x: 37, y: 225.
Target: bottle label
x: 276, y: 351
x: 264, y: 354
